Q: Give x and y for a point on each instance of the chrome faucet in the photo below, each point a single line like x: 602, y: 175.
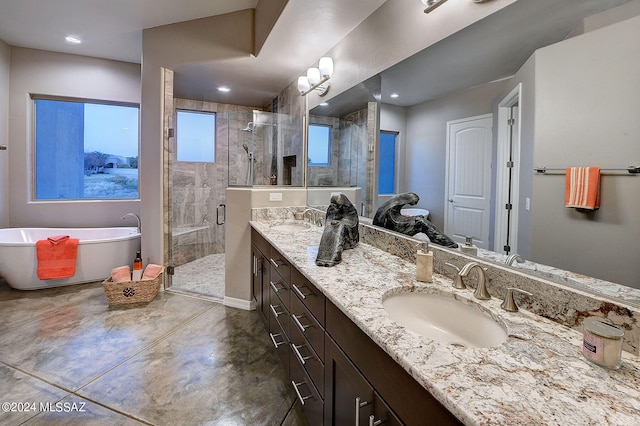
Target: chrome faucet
x: 312, y: 215
x: 457, y: 280
x: 481, y: 292
x: 137, y: 217
x: 514, y: 257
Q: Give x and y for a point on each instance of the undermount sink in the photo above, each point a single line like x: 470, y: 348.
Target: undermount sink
x: 291, y: 227
x: 444, y: 319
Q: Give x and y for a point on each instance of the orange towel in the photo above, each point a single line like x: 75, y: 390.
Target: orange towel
x: 582, y: 189
x: 121, y: 274
x: 152, y: 271
x: 58, y: 239
x: 57, y: 258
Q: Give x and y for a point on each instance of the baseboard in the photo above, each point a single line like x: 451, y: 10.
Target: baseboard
x: 247, y: 305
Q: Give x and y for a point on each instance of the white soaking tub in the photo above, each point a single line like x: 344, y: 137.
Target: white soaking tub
x: 99, y: 251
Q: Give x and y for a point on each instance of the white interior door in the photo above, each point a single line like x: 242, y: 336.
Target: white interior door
x: 468, y: 181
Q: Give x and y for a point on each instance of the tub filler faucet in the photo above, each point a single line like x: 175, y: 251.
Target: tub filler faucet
x: 137, y: 218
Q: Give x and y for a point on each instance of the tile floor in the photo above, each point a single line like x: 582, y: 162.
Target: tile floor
x: 203, y: 276
x: 178, y: 360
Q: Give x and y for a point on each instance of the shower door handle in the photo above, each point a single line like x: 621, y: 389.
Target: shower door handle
x: 224, y: 214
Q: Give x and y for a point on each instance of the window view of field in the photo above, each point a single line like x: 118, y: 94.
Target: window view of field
x: 85, y: 150
x: 110, y: 176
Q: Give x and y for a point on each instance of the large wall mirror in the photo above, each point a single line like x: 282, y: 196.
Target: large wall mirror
x: 559, y: 85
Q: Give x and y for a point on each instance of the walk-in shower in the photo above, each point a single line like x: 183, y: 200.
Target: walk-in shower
x: 251, y: 148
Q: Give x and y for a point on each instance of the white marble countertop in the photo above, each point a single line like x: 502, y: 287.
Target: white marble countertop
x: 537, y: 377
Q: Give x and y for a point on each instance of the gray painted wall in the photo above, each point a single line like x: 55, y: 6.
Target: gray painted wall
x: 57, y: 74
x: 5, y: 52
x: 587, y: 113
x: 526, y: 76
x: 427, y: 142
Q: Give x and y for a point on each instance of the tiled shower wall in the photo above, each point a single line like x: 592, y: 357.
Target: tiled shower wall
x: 329, y: 175
x: 198, y: 188
x: 290, y: 107
x: 352, y: 157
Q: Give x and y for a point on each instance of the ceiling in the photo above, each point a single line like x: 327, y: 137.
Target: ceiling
x: 493, y: 48
x: 112, y: 29
x: 488, y: 50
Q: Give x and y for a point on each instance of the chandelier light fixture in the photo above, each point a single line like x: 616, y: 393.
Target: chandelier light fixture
x: 316, y: 78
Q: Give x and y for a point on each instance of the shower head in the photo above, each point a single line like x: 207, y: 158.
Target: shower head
x: 249, y: 127
x: 246, y: 148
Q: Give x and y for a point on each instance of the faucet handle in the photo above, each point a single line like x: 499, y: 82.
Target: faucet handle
x: 509, y: 303
x: 457, y: 281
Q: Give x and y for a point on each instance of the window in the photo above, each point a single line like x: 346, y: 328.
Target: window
x: 196, y: 138
x: 85, y: 150
x: 319, y: 145
x: 387, y: 164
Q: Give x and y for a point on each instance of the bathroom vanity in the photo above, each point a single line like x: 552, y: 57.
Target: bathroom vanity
x: 349, y: 362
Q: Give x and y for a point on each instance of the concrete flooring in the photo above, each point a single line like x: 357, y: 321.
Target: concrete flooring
x: 68, y: 358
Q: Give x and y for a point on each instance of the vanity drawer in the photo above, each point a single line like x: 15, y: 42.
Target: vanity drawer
x: 279, y: 290
x: 279, y: 313
x: 308, y: 358
x: 280, y: 340
x: 307, y: 326
x: 312, y: 403
x: 312, y: 298
x: 280, y: 264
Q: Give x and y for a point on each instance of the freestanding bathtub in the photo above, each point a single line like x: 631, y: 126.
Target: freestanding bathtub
x: 99, y: 251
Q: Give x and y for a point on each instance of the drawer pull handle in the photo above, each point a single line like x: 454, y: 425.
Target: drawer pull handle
x: 300, y: 397
x: 373, y: 421
x: 273, y: 339
x: 297, y: 289
x: 276, y: 313
x: 274, y: 286
x: 296, y: 319
x: 298, y: 354
x: 359, y: 405
x: 276, y: 263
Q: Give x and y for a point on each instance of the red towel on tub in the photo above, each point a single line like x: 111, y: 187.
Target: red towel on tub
x: 57, y: 257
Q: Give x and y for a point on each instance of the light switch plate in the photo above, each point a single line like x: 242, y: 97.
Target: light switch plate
x: 275, y: 196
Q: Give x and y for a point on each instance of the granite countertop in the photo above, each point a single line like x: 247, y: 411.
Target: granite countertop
x: 537, y: 377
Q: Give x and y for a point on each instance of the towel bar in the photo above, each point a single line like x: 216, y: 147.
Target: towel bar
x: 631, y: 169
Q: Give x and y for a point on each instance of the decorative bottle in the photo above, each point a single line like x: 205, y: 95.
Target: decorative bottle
x: 136, y: 275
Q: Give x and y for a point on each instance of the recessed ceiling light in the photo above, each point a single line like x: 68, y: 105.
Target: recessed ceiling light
x: 394, y: 95
x: 73, y: 39
x: 324, y: 103
x: 223, y: 89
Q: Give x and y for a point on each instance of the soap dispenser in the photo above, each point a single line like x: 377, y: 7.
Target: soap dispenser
x: 424, y: 263
x: 468, y: 247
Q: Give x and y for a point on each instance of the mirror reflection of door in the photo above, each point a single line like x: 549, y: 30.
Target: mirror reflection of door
x: 468, y: 183
x: 507, y: 206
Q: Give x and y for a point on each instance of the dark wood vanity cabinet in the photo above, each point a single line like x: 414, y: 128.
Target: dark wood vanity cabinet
x: 340, y: 376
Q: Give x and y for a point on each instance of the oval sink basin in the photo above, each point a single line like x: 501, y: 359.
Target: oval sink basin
x: 444, y: 319
x: 291, y: 227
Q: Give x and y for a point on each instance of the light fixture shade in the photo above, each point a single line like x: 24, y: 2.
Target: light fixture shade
x: 326, y: 66
x: 313, y: 75
x: 303, y: 84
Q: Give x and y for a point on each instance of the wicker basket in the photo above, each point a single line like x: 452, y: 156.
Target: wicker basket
x: 126, y: 292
